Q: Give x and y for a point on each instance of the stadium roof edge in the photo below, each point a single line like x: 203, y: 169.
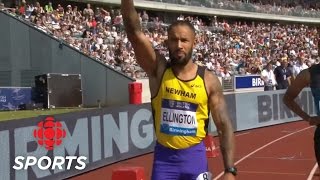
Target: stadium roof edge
x: 157, y: 6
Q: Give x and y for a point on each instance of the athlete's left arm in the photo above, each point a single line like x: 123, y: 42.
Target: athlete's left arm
x: 220, y: 116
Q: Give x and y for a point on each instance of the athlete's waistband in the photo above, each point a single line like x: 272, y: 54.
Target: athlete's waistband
x: 199, y: 146
x: 167, y: 154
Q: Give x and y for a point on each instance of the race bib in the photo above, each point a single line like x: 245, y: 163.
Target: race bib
x: 178, y: 118
x: 205, y: 176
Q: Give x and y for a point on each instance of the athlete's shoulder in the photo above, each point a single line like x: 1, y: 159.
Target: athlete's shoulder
x: 211, y: 81
x: 305, y: 72
x: 303, y: 77
x: 314, y: 68
x: 204, y: 68
x: 203, y: 71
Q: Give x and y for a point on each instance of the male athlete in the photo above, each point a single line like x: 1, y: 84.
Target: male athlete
x: 183, y: 94
x: 307, y: 77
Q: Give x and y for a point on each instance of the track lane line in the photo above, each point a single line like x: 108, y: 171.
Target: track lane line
x: 241, y: 134
x: 315, y: 167
x: 267, y: 172
x: 262, y: 147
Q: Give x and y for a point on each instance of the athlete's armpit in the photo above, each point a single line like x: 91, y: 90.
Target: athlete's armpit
x: 156, y: 78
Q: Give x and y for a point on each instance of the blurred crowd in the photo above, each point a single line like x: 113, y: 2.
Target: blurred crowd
x: 304, y: 8
x: 237, y: 48
x: 242, y: 49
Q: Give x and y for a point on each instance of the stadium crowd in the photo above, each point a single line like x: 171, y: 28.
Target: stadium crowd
x: 226, y: 48
x: 304, y: 8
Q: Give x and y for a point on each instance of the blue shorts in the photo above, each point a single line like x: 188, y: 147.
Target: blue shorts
x: 182, y: 164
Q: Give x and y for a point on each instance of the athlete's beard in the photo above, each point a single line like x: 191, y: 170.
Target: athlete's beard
x: 182, y: 61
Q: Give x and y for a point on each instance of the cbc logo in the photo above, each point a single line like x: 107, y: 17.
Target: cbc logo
x: 49, y: 133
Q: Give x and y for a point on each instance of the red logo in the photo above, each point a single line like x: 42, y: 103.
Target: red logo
x: 49, y: 133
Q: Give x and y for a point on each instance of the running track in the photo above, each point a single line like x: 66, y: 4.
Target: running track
x: 278, y: 152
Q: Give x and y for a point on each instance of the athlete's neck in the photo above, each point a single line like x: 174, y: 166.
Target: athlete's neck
x: 186, y: 72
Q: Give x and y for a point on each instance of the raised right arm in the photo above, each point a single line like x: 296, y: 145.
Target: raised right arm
x: 146, y: 56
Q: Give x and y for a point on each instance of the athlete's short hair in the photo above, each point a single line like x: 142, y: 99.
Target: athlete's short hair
x: 182, y: 23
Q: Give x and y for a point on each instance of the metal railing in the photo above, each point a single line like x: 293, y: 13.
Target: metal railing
x: 228, y: 84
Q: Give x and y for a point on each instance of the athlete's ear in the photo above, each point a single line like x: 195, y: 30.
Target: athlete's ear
x: 194, y: 41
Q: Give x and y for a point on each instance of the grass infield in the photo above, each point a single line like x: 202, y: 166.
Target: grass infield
x: 20, y: 114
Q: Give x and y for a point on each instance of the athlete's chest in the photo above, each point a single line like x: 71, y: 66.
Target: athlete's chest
x: 190, y: 90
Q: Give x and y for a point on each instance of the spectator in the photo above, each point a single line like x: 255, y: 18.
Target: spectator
x: 268, y: 78
x: 38, y: 9
x: 227, y: 48
x: 282, y: 75
x: 299, y: 66
x: 226, y: 72
x: 22, y: 8
x: 87, y: 12
x: 284, y: 7
x: 48, y: 8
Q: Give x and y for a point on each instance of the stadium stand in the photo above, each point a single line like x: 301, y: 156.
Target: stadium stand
x: 226, y: 47
x: 307, y: 8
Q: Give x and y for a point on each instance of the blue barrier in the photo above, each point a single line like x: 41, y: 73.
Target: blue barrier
x: 252, y: 81
x: 13, y: 98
